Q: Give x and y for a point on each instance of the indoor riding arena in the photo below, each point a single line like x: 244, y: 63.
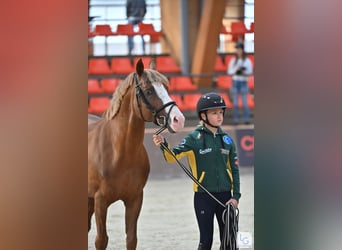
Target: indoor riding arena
x: 190, y: 42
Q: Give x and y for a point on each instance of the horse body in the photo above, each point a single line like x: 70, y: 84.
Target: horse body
x: 118, y: 164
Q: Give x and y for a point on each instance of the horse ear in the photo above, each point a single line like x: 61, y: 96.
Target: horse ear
x: 153, y: 64
x: 140, y: 67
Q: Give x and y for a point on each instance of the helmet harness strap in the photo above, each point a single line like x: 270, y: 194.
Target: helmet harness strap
x: 207, y: 120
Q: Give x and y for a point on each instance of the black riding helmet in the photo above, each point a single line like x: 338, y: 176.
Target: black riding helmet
x: 209, y: 101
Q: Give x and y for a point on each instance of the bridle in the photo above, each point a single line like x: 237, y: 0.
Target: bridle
x: 160, y: 120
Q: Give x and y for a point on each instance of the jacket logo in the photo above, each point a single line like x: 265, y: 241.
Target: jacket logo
x: 227, y: 140
x: 205, y: 151
x: 225, y: 151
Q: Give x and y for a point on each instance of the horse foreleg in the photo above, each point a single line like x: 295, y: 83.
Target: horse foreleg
x: 90, y: 211
x: 100, y: 216
x: 133, y: 208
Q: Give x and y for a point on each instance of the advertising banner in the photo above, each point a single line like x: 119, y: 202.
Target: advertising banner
x: 245, y: 146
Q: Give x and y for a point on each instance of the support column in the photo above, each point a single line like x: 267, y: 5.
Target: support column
x: 184, y: 27
x: 207, y: 41
x: 171, y: 17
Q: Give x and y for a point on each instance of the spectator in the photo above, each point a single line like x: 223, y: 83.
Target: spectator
x: 213, y: 161
x: 135, y: 12
x: 240, y: 68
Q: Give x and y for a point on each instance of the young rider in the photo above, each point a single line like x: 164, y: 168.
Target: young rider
x: 213, y: 161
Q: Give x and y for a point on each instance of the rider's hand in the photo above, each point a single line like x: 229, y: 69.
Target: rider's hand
x: 158, y: 139
x: 234, y: 202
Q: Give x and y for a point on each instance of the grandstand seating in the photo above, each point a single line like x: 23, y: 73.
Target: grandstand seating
x: 179, y: 101
x: 98, y: 66
x: 224, y: 82
x: 220, y: 65
x: 251, y: 82
x: 103, y: 30
x: 97, y: 105
x: 238, y: 30
x: 223, y: 30
x: 125, y: 30
x: 190, y: 101
x: 227, y: 100
x: 148, y: 29
x: 109, y: 84
x: 94, y: 87
x: 227, y: 59
x: 121, y: 65
x: 166, y: 64
x: 250, y: 101
x: 251, y: 57
x: 182, y: 83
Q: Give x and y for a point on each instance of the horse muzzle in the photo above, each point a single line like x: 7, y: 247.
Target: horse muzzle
x: 176, y: 120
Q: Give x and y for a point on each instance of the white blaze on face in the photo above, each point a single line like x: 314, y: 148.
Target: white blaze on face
x: 176, y: 116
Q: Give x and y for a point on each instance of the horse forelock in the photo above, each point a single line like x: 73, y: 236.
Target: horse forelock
x: 117, y: 98
x: 156, y: 77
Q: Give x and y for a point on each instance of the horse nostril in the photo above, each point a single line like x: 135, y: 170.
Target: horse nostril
x: 175, y: 119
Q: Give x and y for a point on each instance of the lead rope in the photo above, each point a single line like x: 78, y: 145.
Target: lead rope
x: 231, y: 228
x: 230, y: 218
x: 188, y: 173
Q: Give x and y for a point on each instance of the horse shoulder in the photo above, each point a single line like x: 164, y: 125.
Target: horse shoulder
x: 100, y: 148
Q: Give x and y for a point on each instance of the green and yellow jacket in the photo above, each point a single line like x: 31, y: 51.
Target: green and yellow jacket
x: 212, y: 159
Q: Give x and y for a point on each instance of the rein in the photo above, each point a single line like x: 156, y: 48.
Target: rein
x: 160, y: 120
x: 230, y: 216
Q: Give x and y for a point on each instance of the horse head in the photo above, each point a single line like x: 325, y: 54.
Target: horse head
x: 153, y: 100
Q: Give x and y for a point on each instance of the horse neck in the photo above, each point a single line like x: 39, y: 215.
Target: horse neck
x: 129, y: 121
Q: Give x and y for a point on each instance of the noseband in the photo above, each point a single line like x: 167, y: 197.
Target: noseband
x: 160, y: 120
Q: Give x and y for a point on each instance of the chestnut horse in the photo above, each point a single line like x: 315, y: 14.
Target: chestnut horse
x: 118, y: 164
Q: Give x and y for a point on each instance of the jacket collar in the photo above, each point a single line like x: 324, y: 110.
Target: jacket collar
x: 208, y: 131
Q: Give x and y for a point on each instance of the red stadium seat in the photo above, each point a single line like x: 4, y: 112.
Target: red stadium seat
x: 238, y: 30
x: 190, y: 101
x: 179, y: 101
x: 103, y: 30
x: 250, y: 101
x: 94, y: 87
x: 220, y: 65
x: 125, y: 30
x: 166, y: 64
x: 182, y: 83
x: 228, y: 58
x: 109, y: 84
x: 251, y: 82
x: 223, y: 30
x: 98, y: 105
x: 98, y: 66
x: 172, y: 85
x: 148, y: 29
x: 226, y: 100
x: 224, y: 82
x: 121, y: 65
x: 251, y: 57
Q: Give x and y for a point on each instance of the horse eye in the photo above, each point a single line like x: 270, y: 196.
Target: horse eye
x: 149, y: 92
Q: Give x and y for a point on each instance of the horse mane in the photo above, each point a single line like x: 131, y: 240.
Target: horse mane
x: 121, y: 90
x: 115, y: 102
